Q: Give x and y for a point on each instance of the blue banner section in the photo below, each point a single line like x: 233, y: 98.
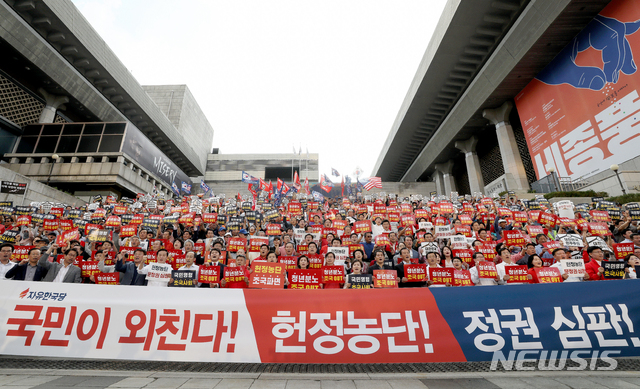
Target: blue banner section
x: 539, y: 319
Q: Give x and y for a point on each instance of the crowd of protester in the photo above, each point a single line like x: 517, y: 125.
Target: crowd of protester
x: 132, y: 237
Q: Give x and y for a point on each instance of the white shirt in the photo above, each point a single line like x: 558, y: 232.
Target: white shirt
x: 5, y: 268
x: 63, y: 272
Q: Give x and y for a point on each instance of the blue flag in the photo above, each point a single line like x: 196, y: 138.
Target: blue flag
x: 175, y: 189
x: 204, y: 186
x: 186, y: 188
x: 248, y: 178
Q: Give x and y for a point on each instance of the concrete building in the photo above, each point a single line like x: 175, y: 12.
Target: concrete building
x: 224, y: 171
x: 459, y: 125
x: 57, y: 71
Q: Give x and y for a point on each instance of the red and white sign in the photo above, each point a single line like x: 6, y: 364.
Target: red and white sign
x: 304, y: 279
x: 487, y: 269
x: 517, y: 274
x: 548, y: 274
x: 267, y: 275
x: 441, y: 275
x: 385, y: 279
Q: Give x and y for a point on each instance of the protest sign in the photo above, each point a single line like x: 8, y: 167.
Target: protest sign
x: 621, y: 250
x: 360, y: 281
x: 20, y: 253
x: 361, y: 227
x: 209, y: 274
x: 332, y: 274
x: 107, y: 278
x: 573, y: 267
x: 184, y: 278
x: 290, y: 262
x: 385, y: 279
x: 267, y: 275
x: 304, y: 279
x: 513, y: 238
x: 233, y: 274
x: 89, y: 268
x: 487, y: 269
x: 517, y: 274
x: 548, y: 274
x: 462, y: 278
x: 415, y: 273
x: 441, y: 275
x: 613, y: 269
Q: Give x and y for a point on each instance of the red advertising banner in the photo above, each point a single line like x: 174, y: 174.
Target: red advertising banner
x: 517, y: 274
x: 267, y: 275
x: 332, y: 274
x: 107, y: 278
x: 385, y: 279
x: 579, y: 113
x: 304, y: 279
x: 415, y: 273
x: 548, y: 274
x: 442, y: 275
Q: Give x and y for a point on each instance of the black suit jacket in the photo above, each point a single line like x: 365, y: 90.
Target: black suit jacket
x: 18, y: 272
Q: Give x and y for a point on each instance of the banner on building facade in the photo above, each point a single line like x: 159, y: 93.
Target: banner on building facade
x: 580, y: 114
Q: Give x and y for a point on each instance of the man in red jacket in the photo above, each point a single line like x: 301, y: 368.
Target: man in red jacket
x: 594, y: 267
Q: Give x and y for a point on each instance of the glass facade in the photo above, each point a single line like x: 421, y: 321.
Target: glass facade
x: 72, y: 138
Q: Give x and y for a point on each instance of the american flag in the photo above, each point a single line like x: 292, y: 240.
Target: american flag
x: 374, y: 182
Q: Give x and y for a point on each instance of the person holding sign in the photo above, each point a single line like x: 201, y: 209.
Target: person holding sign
x: 357, y: 280
x: 158, y: 273
x: 594, y: 266
x: 573, y: 266
x: 190, y: 258
x: 405, y: 255
x: 505, y: 254
x: 535, y: 262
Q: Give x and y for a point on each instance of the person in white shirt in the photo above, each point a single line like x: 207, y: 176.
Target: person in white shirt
x: 6, y: 250
x: 475, y: 278
x: 560, y: 254
x: 190, y: 259
x: 158, y: 273
x: 503, y: 277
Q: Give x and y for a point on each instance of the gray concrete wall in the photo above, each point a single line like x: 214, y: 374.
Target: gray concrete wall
x: 182, y: 109
x: 36, y: 191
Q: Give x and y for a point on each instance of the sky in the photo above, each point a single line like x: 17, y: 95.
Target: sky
x: 327, y: 76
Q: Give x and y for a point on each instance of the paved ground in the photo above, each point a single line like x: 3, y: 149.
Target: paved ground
x: 96, y: 379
